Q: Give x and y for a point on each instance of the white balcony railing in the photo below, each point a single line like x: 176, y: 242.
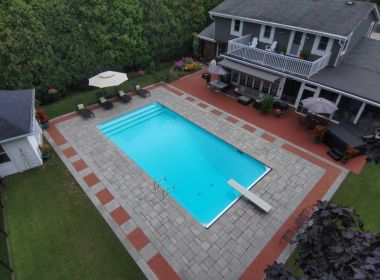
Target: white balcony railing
x: 240, y: 48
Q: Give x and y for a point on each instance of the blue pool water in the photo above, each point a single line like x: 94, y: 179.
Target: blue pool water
x: 197, y: 163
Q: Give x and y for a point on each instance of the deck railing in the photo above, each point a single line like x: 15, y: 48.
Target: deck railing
x: 240, y: 48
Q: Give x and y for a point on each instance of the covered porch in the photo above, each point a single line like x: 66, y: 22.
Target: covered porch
x: 286, y: 128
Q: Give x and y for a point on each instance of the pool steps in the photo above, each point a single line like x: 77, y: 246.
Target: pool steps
x: 130, y: 120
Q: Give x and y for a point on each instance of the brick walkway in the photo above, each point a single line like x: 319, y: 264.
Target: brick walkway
x: 165, y: 241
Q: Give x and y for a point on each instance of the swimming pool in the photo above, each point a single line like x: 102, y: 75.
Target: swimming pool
x: 196, y: 164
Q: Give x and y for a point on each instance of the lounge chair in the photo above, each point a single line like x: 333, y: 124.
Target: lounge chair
x: 123, y: 96
x: 254, y: 42
x: 272, y: 47
x: 142, y: 92
x: 83, y: 111
x: 104, y: 102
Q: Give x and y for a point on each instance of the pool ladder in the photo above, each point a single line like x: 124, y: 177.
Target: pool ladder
x: 157, y: 183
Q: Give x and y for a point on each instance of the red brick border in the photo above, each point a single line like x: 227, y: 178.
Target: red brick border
x: 162, y: 268
x: 138, y: 239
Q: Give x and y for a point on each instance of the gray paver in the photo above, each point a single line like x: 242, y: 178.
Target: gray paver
x: 191, y: 249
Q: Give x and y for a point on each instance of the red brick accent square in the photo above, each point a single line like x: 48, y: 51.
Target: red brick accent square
x: 56, y: 135
x: 69, y: 152
x: 138, y: 239
x: 162, y: 268
x: 120, y: 216
x: 216, y: 112
x: 104, y: 196
x: 91, y: 179
x: 189, y: 98
x: 249, y: 128
x: 79, y: 165
x: 176, y: 92
x: 268, y: 137
x: 232, y: 120
x: 202, y: 105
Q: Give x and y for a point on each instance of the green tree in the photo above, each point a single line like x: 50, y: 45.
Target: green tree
x: 25, y: 53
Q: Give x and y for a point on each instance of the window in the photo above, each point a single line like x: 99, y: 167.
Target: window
x: 249, y: 81
x: 265, y: 87
x: 267, y: 31
x: 267, y: 34
x: 323, y: 42
x: 235, y: 77
x: 236, y: 27
x: 243, y: 78
x: 257, y: 84
x: 3, y: 156
x: 274, y: 88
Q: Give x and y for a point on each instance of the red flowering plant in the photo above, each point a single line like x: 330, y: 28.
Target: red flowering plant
x: 319, y: 133
x: 349, y: 153
x: 41, y: 116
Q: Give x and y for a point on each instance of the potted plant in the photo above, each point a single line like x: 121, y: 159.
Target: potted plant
x: 45, y: 151
x: 319, y: 133
x: 349, y: 153
x: 304, y: 54
x: 42, y: 118
x: 267, y: 104
x: 283, y: 51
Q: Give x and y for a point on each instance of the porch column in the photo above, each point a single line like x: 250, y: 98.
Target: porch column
x: 300, y: 92
x: 281, y: 87
x: 359, y: 114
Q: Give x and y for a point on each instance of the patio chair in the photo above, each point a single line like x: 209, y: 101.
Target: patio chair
x: 123, y: 96
x: 272, y: 47
x: 105, y: 103
x: 83, y: 111
x: 142, y: 92
x: 254, y: 42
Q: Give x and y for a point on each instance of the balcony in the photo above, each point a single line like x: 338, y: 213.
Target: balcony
x: 240, y: 48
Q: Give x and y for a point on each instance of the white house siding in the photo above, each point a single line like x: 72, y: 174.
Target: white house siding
x: 23, y: 153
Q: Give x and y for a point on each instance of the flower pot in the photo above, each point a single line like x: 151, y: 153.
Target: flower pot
x: 45, y: 125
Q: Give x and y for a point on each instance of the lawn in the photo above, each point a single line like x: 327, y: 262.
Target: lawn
x: 55, y: 231
x: 361, y: 192
x: 66, y: 104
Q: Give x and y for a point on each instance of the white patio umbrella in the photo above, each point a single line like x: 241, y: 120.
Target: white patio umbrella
x: 214, y: 68
x: 319, y: 105
x: 108, y: 79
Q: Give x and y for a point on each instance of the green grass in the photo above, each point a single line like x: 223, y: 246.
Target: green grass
x: 361, y: 192
x: 66, y: 104
x: 56, y: 233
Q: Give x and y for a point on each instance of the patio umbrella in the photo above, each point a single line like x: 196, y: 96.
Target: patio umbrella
x: 108, y: 79
x: 213, y: 68
x: 319, y: 105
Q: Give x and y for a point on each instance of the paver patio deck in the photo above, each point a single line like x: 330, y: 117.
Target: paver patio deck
x: 286, y: 126
x: 165, y: 241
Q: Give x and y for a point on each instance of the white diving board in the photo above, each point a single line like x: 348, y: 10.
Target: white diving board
x: 263, y: 205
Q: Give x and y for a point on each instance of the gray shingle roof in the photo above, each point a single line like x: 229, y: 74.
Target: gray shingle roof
x: 208, y: 32
x: 16, y: 113
x: 359, y: 73
x: 329, y: 16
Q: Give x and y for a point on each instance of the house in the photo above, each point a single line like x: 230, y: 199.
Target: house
x: 296, y: 49
x: 20, y: 134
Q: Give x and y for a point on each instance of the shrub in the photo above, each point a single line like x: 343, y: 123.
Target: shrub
x: 319, y: 132
x: 267, y: 104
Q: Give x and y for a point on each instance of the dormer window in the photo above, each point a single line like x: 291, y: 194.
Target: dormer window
x: 267, y: 34
x: 323, y: 42
x: 236, y: 27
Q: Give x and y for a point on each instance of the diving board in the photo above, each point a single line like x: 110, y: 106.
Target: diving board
x: 263, y: 205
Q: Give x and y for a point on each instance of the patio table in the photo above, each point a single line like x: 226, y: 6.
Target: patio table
x: 218, y: 85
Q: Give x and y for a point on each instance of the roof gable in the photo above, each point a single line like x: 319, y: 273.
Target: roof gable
x: 16, y: 113
x: 334, y: 17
